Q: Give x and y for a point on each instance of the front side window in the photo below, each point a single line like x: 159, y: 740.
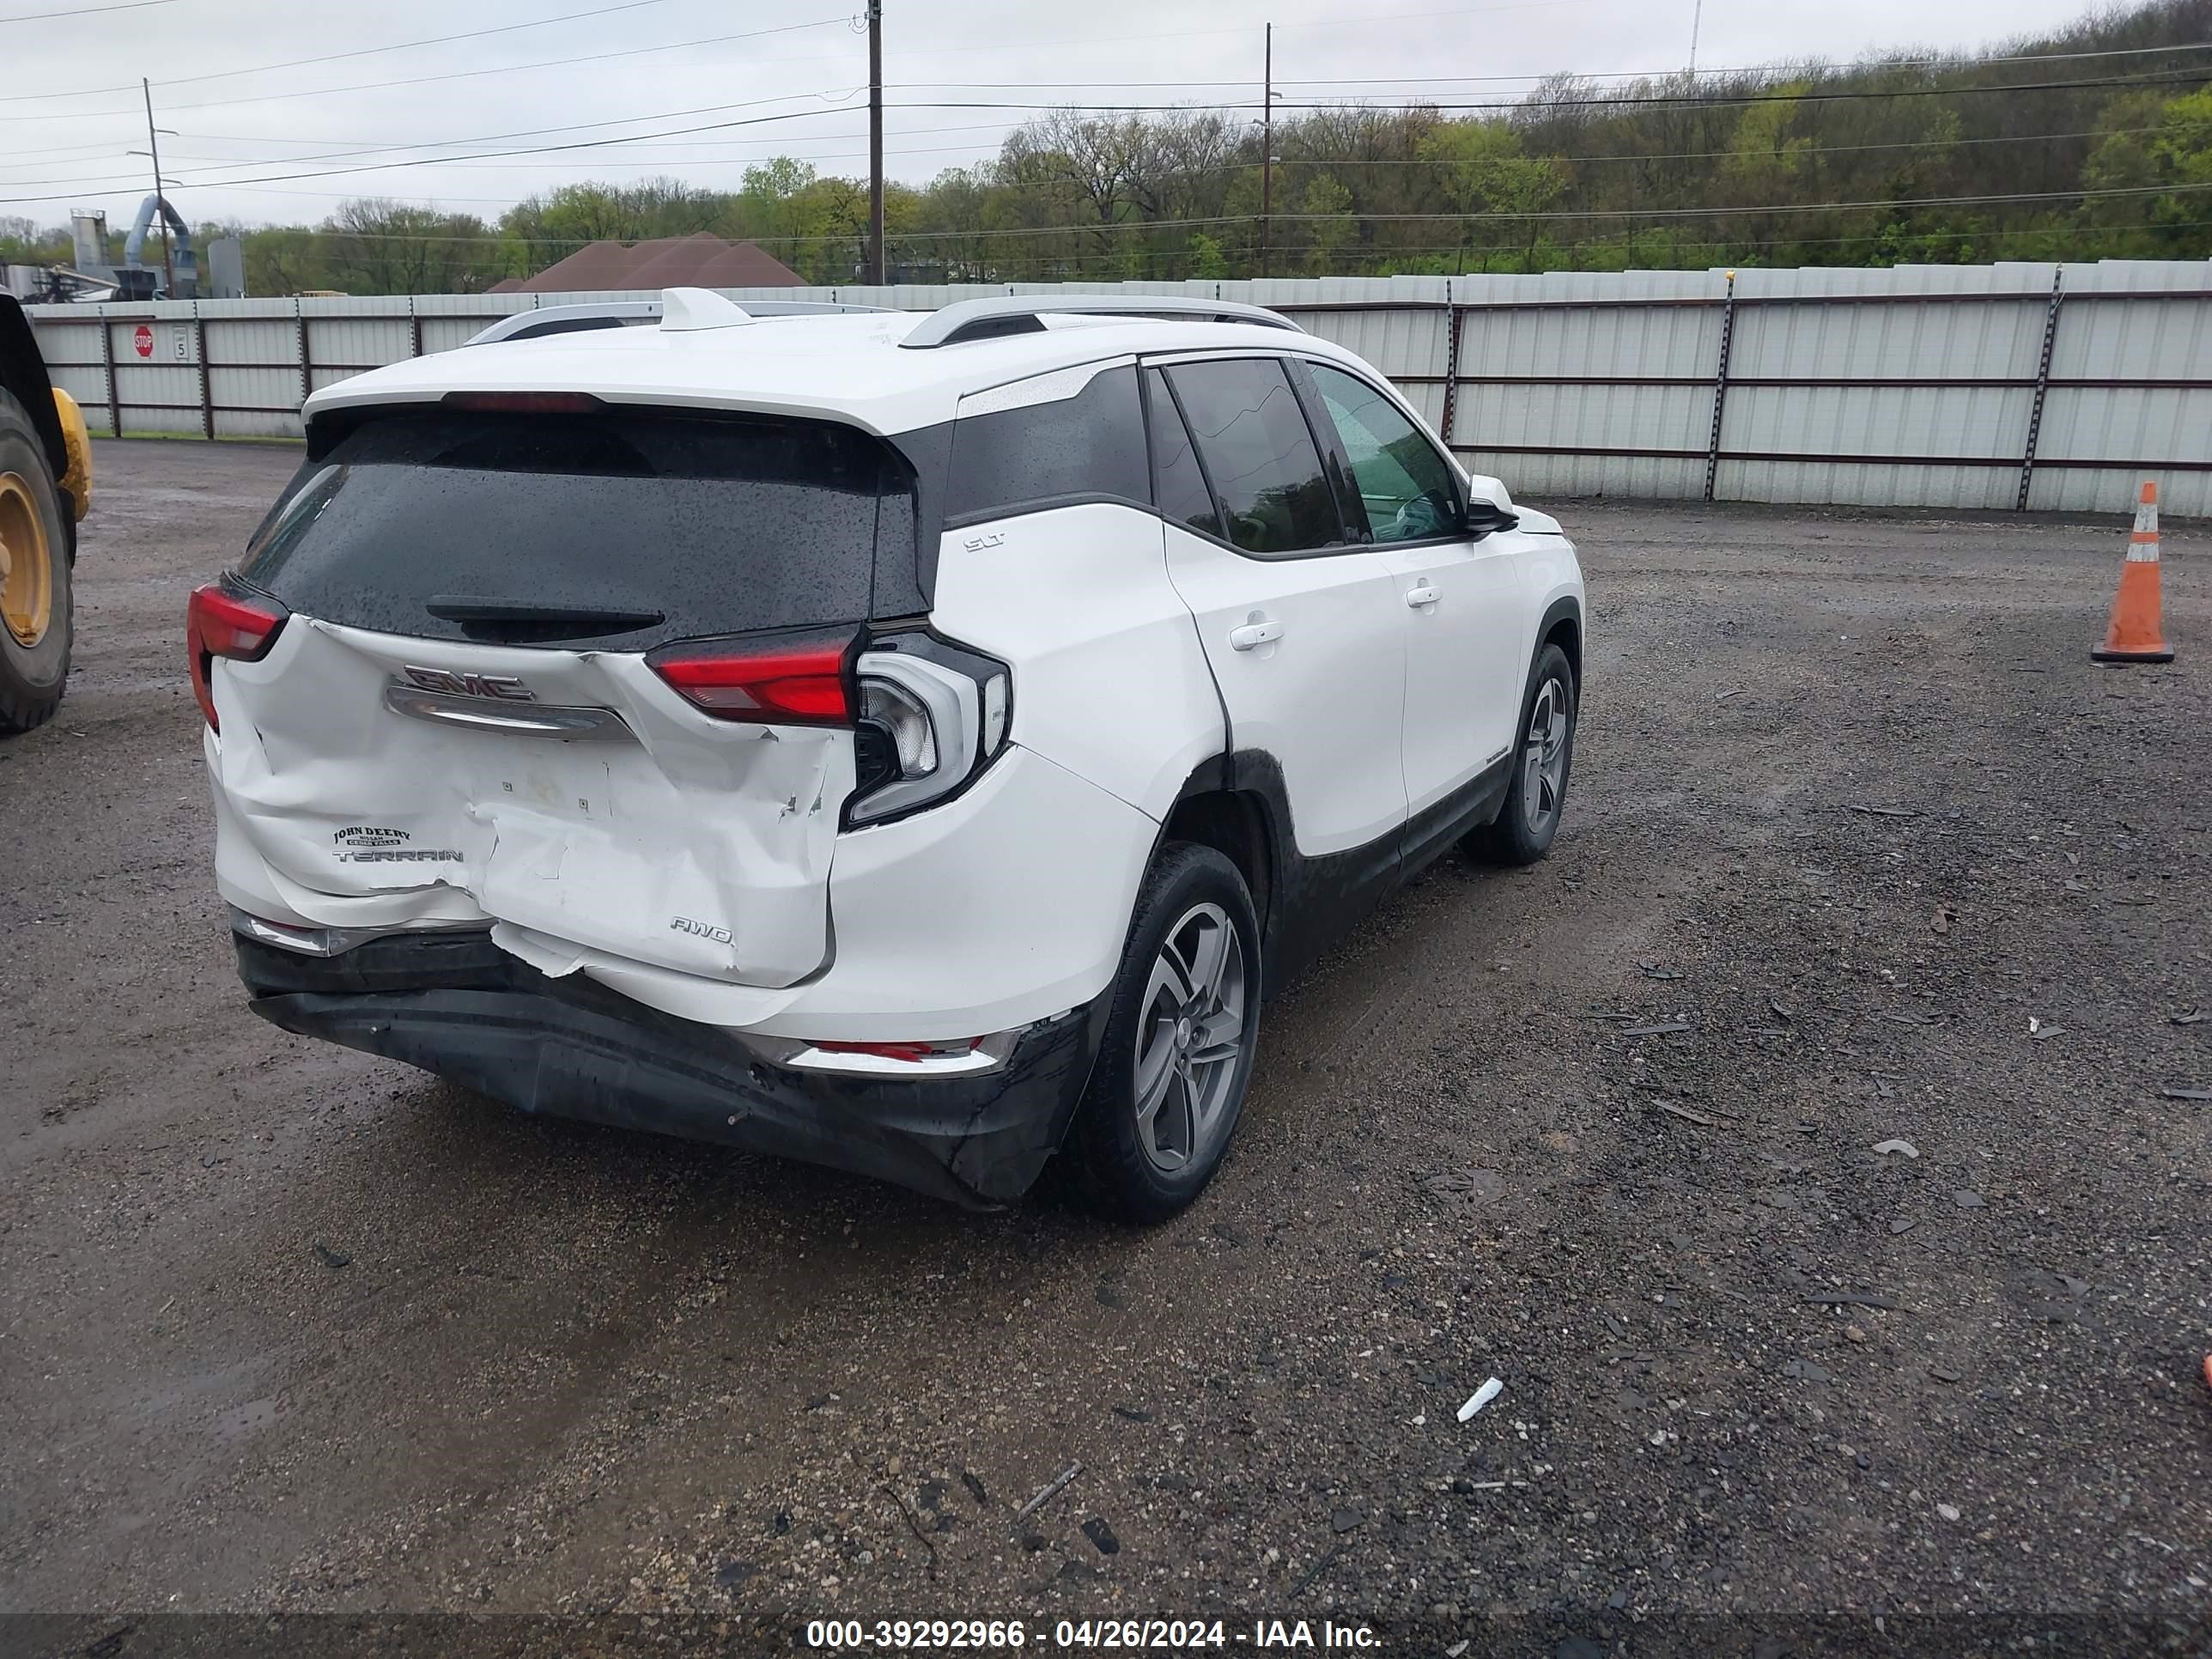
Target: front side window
x: 1260, y: 454
x: 1406, y: 485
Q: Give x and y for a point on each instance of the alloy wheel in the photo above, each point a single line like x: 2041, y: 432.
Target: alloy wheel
x: 1544, y: 756
x: 1190, y: 1038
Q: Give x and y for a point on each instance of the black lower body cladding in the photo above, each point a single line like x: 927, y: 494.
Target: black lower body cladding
x: 457, y: 1006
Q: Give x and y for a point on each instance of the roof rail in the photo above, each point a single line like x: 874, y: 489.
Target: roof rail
x: 1024, y: 313
x: 630, y: 314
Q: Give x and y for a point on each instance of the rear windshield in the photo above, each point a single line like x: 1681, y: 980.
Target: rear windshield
x: 632, y: 527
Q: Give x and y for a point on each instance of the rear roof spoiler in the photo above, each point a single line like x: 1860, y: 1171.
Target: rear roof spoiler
x: 634, y: 313
x: 1024, y: 314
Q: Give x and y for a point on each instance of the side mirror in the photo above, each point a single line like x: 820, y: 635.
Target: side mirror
x: 1485, y: 518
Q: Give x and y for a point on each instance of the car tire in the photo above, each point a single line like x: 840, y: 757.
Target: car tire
x: 34, y: 597
x: 1543, y: 757
x: 1159, y: 1113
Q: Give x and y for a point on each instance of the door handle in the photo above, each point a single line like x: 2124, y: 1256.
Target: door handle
x: 1420, y: 598
x: 1252, y: 635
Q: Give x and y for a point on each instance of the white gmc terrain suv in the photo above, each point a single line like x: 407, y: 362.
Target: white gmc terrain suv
x: 915, y: 745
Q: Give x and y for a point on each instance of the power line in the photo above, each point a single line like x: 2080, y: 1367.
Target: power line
x: 1637, y: 102
x: 386, y: 167
x: 1636, y: 216
x: 1731, y: 100
x: 334, y: 56
x: 708, y: 159
x: 426, y: 79
x: 1962, y: 63
x: 1959, y: 60
x: 82, y: 11
x: 1001, y: 267
x: 528, y: 132
x: 577, y: 126
x: 1694, y: 154
x: 435, y: 160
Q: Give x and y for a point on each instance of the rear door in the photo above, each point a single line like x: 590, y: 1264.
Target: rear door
x: 525, y: 661
x: 1304, y: 629
x: 1465, y: 659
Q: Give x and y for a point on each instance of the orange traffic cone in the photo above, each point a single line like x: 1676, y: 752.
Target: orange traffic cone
x: 2135, y: 635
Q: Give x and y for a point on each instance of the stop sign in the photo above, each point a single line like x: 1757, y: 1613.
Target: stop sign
x: 142, y: 340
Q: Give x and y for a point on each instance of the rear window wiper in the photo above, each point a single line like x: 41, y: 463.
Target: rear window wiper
x: 510, y: 617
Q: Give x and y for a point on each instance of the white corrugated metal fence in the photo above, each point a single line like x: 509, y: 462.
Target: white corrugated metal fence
x: 1979, y: 387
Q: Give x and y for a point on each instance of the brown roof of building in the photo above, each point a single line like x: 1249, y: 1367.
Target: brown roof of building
x: 701, y: 260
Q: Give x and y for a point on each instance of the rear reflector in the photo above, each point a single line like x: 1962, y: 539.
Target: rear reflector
x: 801, y: 681
x: 913, y: 1052
x: 219, y: 623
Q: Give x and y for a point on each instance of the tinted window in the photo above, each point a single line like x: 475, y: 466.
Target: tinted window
x: 1080, y: 447
x: 717, y: 525
x: 1179, y: 488
x: 1258, y: 455
x: 1406, y: 485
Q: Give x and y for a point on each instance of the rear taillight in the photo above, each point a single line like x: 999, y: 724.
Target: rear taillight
x: 219, y: 623
x: 927, y: 716
x: 787, y: 680
x: 932, y: 716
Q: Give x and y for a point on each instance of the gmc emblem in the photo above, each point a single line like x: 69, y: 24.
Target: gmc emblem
x: 504, y: 686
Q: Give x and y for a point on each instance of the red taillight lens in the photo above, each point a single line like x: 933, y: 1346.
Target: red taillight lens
x: 802, y: 682
x: 218, y: 623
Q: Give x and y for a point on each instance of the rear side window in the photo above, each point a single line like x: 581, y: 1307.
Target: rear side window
x: 551, y: 528
x: 1039, y: 454
x: 1179, y: 487
x: 1259, y: 453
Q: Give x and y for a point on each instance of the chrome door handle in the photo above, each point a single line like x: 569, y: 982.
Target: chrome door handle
x: 1420, y: 598
x: 1253, y: 634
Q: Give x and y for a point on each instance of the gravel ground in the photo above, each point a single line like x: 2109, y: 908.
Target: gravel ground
x: 1860, y: 850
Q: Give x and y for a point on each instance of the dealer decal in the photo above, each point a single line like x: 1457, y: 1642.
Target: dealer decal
x: 366, y: 843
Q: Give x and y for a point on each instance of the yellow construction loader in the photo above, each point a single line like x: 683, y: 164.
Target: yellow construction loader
x: 45, y: 487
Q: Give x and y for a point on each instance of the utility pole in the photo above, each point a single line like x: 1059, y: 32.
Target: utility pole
x: 154, y: 149
x: 1267, y: 148
x: 875, y: 142
x: 1696, y: 21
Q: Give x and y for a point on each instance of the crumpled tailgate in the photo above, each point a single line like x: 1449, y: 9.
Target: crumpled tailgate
x: 666, y: 837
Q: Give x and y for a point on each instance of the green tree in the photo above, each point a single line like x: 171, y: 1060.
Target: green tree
x: 1486, y: 172
x: 1329, y: 226
x: 1206, y: 259
x: 375, y: 246
x: 283, y: 260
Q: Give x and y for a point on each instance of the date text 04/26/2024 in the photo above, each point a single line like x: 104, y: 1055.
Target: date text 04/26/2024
x: 1126, y: 1634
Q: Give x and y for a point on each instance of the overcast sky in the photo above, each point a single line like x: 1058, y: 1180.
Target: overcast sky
x: 72, y: 113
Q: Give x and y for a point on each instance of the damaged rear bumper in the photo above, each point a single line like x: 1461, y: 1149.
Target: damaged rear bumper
x: 455, y: 1005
